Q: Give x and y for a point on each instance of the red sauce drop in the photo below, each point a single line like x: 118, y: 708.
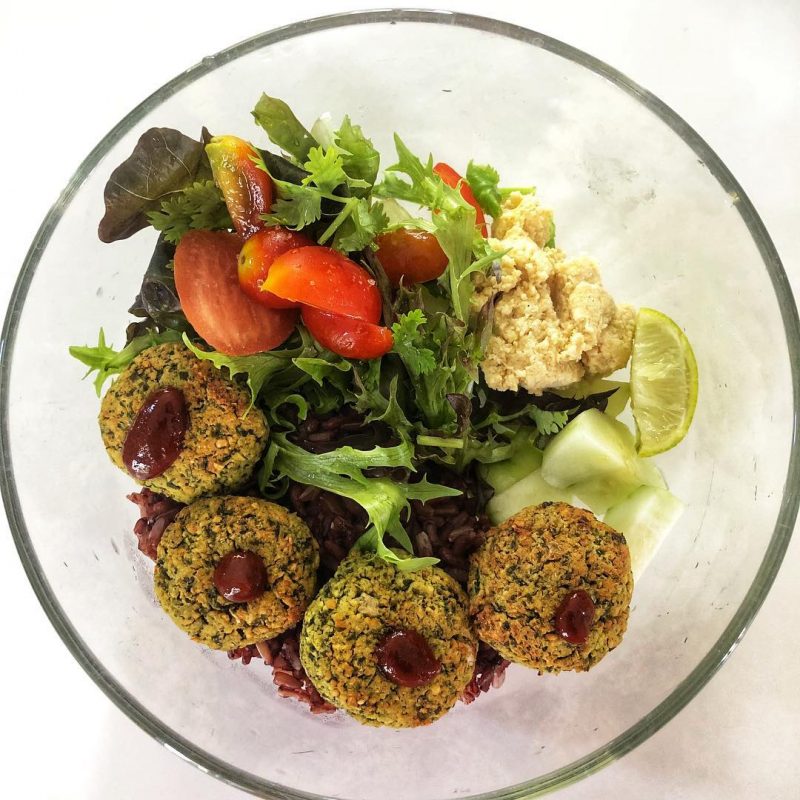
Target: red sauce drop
x: 574, y: 617
x: 241, y: 576
x: 155, y: 439
x: 406, y: 658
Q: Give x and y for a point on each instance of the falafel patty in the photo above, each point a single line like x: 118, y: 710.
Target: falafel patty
x: 224, y: 439
x: 521, y: 575
x: 201, y: 536
x: 366, y: 601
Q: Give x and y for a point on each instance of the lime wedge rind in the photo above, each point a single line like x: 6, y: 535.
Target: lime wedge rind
x: 664, y: 383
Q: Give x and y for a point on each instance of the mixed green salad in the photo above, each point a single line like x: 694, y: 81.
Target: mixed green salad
x: 324, y: 284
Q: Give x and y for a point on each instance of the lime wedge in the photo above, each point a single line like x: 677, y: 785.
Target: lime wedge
x: 663, y: 382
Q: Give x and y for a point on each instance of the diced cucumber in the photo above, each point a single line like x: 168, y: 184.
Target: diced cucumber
x: 595, y: 456
x: 525, y: 458
x: 591, y: 446
x: 650, y: 474
x: 645, y: 518
x: 599, y: 494
x: 529, y: 491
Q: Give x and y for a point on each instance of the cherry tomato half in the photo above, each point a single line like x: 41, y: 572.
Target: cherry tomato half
x: 247, y: 189
x: 345, y: 336
x: 410, y: 254
x: 451, y: 178
x: 256, y: 257
x: 215, y: 304
x: 327, y: 280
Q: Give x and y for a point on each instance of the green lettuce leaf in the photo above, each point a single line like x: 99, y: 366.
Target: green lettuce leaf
x: 106, y: 361
x: 283, y: 127
x: 410, y: 343
x: 342, y: 472
x: 360, y: 159
x: 453, y: 222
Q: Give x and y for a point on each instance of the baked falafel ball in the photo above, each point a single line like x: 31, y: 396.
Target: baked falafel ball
x: 224, y: 439
x: 208, y: 531
x: 369, y: 603
x: 528, y: 567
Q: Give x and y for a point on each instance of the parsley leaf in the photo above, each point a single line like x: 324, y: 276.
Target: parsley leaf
x: 409, y: 344
x: 325, y: 169
x: 107, y: 362
x: 548, y: 422
x: 283, y: 127
x: 197, y: 206
x: 296, y: 206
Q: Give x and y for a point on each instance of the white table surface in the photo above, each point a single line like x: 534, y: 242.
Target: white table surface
x: 70, y: 71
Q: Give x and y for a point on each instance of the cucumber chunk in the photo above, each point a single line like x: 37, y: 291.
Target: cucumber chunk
x: 595, y: 456
x: 645, y: 518
x: 591, y: 446
x: 529, y: 491
x: 525, y: 458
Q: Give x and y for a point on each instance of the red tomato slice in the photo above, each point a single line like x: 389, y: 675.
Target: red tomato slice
x: 247, y: 189
x: 345, y: 336
x: 208, y: 287
x: 327, y: 280
x: 256, y: 257
x: 410, y: 255
x: 451, y: 178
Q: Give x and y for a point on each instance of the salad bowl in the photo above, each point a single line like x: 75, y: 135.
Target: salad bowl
x: 632, y: 184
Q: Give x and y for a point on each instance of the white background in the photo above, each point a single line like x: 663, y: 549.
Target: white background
x: 70, y: 71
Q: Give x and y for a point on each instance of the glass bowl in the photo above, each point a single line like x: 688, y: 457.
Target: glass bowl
x: 633, y: 185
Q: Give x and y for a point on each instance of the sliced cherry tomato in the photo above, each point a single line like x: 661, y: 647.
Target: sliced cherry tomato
x: 411, y: 255
x: 215, y: 304
x: 256, y: 257
x: 346, y: 336
x: 327, y: 280
x: 451, y: 178
x: 247, y: 189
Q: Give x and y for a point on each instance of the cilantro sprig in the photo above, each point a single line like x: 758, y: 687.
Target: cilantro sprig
x: 198, y: 206
x: 337, y: 183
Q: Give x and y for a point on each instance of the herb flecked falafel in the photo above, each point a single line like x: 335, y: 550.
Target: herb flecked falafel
x: 366, y: 600
x: 528, y: 565
x: 201, y: 536
x: 224, y: 439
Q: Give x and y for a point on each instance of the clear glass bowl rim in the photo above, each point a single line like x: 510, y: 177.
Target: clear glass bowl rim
x: 781, y: 535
